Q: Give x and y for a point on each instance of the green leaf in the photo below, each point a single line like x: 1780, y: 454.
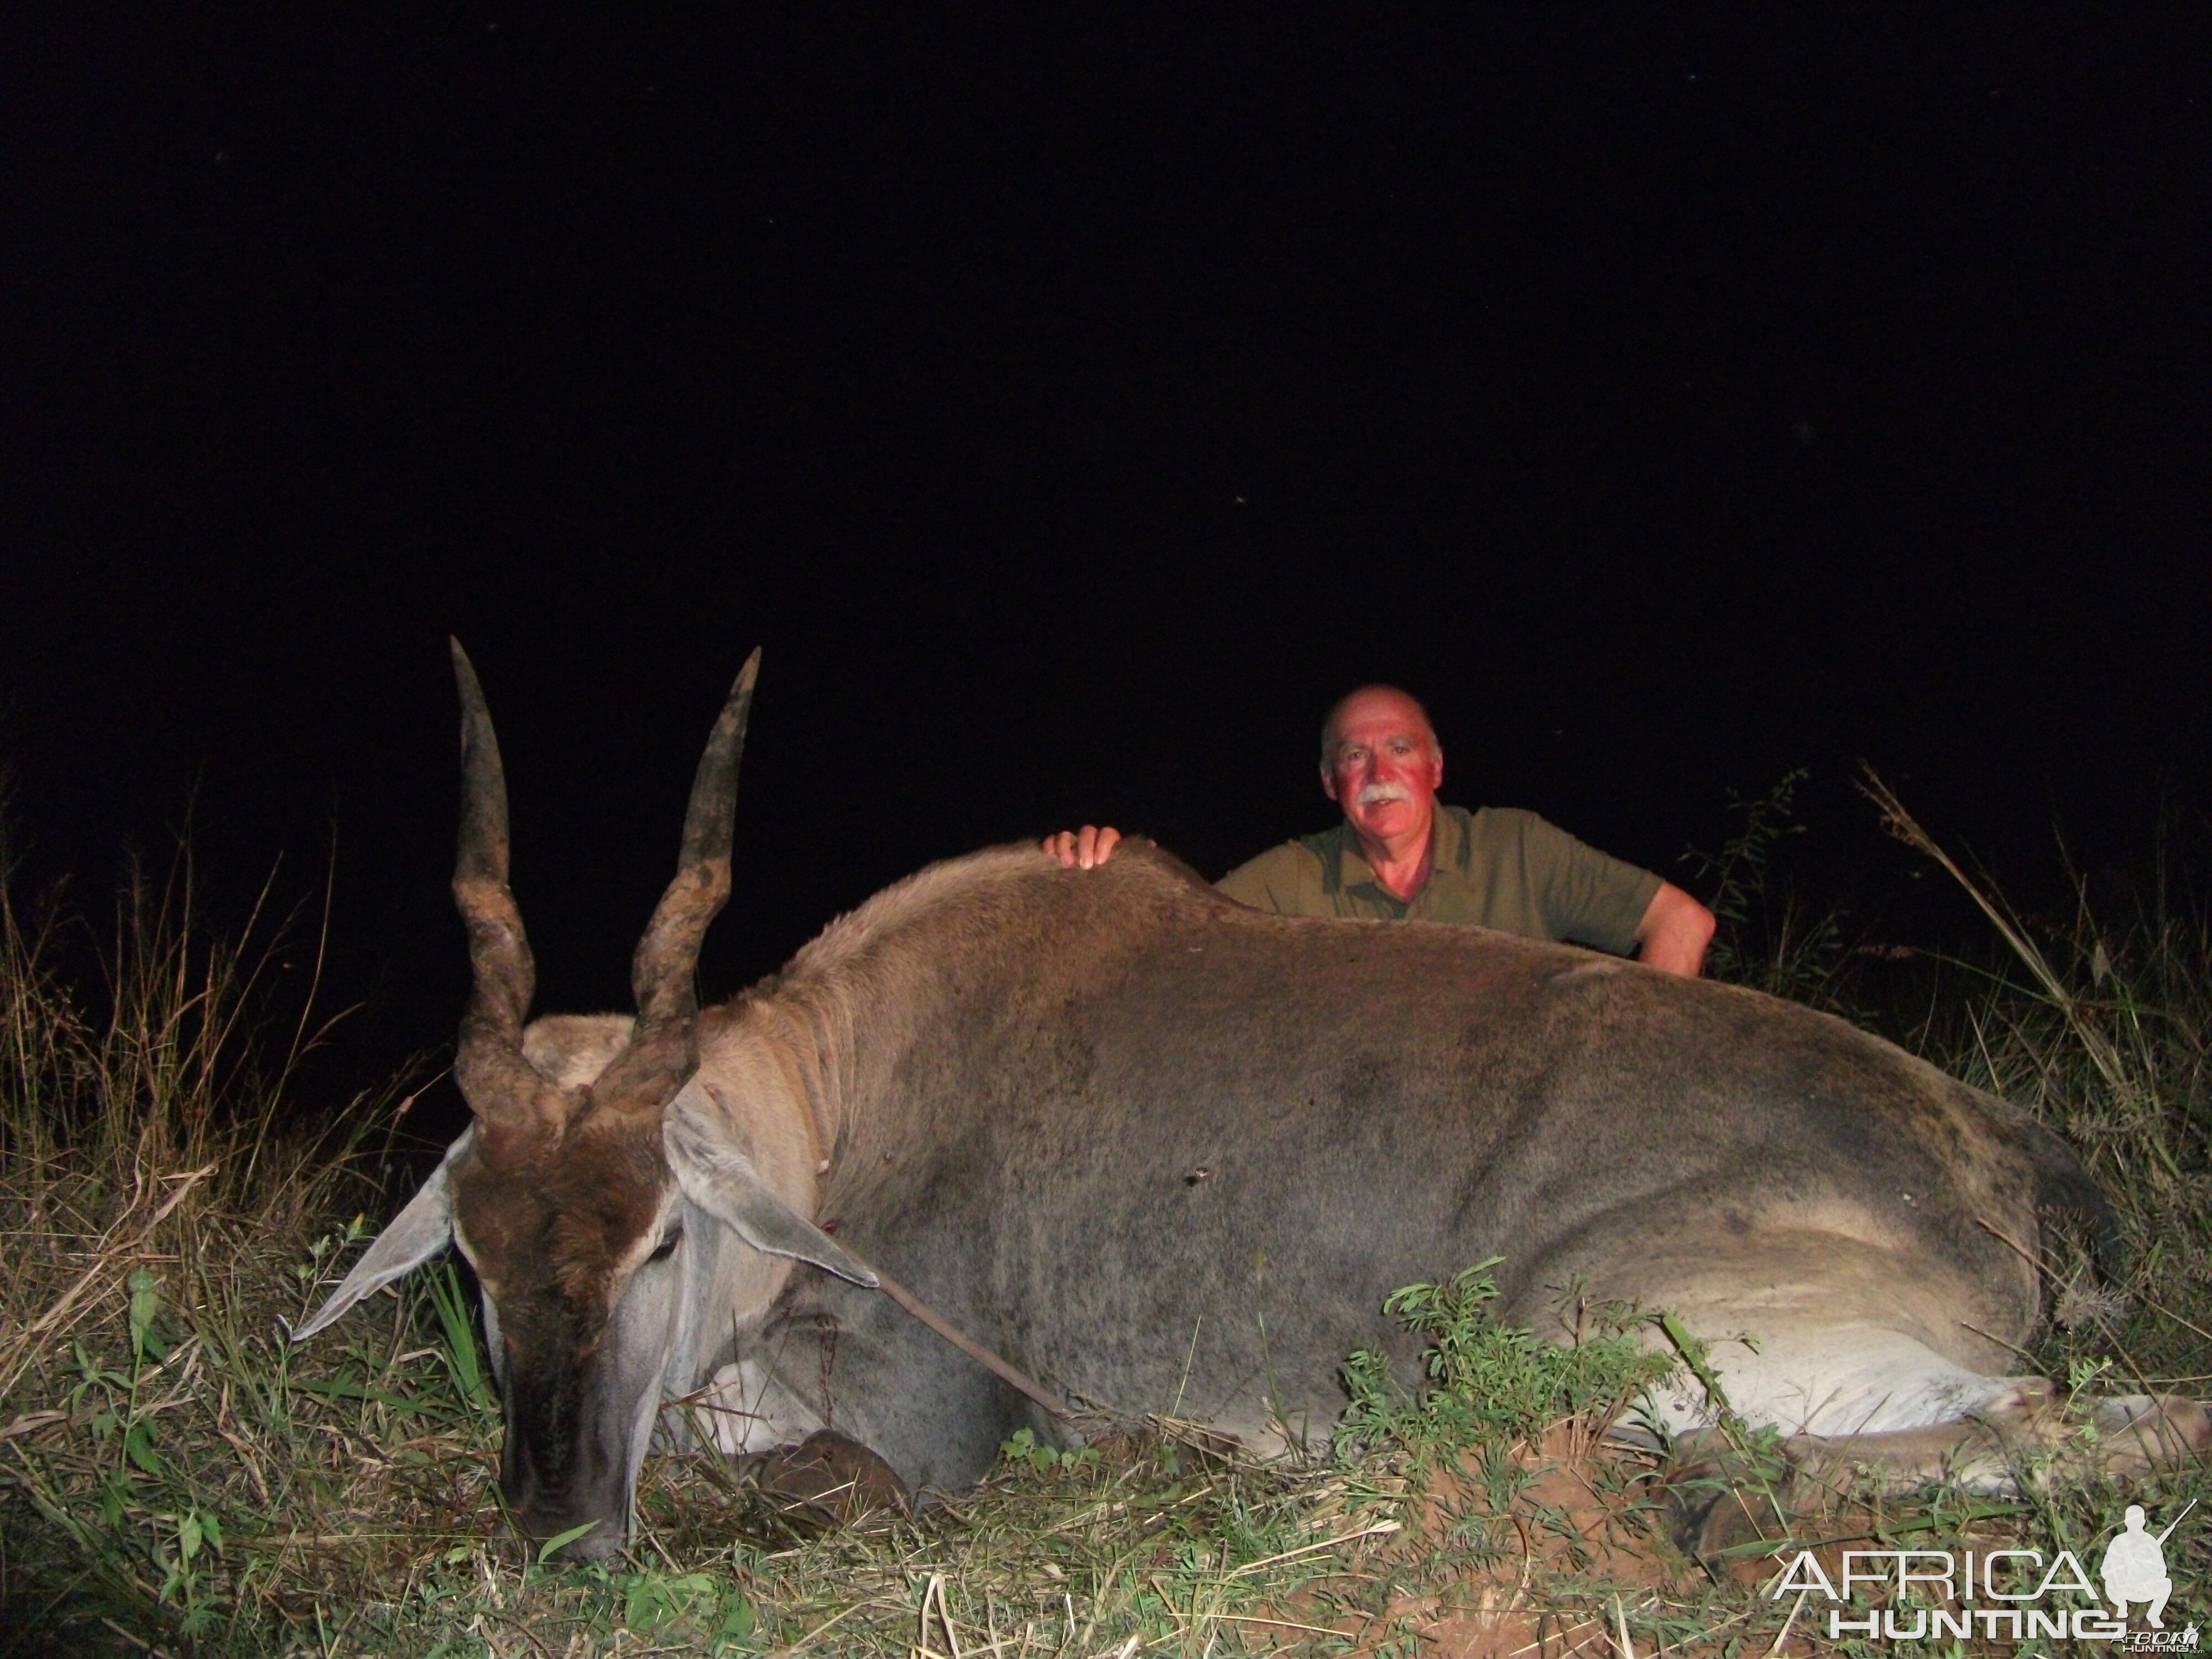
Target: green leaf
x: 736, y: 1616
x: 188, y: 1537
x: 145, y: 1304
x: 138, y: 1447
x: 562, y: 1540
x: 647, y: 1608
x: 656, y: 1600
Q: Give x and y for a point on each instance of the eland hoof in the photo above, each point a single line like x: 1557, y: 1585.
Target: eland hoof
x: 828, y: 1480
x: 1717, y: 1509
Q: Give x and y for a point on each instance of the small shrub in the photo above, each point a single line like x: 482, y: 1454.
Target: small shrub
x: 1769, y: 935
x: 1489, y: 1384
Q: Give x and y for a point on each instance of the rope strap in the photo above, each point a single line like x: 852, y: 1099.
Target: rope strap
x: 976, y: 1350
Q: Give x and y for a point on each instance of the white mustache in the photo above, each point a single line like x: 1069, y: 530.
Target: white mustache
x: 1381, y: 792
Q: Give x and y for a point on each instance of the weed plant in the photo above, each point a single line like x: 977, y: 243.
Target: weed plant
x: 1770, y: 935
x: 1490, y: 1383
x: 176, y: 1479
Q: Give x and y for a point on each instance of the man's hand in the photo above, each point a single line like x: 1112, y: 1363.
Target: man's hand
x: 1674, y: 931
x: 1085, y: 848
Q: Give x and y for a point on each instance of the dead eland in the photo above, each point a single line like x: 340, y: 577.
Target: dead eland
x: 1155, y: 1149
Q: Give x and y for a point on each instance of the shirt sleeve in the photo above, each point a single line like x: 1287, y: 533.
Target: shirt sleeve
x: 1588, y: 897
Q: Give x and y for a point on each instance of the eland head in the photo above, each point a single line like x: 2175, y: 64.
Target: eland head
x: 616, y: 1224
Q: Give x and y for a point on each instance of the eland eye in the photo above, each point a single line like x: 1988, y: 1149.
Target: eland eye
x: 667, y: 1246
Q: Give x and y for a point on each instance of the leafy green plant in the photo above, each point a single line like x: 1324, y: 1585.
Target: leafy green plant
x: 1489, y: 1383
x: 1024, y: 1447
x: 1768, y: 936
x: 662, y: 1605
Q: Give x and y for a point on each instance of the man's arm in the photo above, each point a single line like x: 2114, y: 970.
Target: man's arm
x: 1674, y: 931
x: 1087, y: 847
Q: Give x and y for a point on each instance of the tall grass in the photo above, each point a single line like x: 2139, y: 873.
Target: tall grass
x: 175, y: 1478
x: 2101, y: 1026
x: 154, y: 1187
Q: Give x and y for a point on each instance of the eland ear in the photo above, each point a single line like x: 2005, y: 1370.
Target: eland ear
x: 722, y: 1180
x: 416, y: 1233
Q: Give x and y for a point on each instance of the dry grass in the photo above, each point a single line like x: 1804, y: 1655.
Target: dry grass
x: 175, y: 1478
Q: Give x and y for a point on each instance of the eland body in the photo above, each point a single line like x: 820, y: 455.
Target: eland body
x: 1169, y: 1154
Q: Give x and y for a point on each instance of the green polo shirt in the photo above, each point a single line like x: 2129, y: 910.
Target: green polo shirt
x: 1497, y: 867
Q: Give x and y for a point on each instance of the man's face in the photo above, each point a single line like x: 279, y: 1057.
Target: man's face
x: 1384, y: 768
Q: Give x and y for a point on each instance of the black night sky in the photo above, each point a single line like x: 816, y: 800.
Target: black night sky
x: 1073, y: 402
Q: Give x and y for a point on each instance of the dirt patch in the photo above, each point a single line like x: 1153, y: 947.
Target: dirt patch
x: 1539, y: 1550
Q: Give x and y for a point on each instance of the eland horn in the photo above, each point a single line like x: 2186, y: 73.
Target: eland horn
x: 504, y: 1091
x: 664, y: 1047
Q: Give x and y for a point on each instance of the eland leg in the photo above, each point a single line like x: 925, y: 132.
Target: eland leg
x: 2030, y: 1441
x: 1864, y: 1411
x: 846, y: 1360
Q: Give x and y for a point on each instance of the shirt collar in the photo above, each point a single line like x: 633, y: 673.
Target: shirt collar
x: 1353, y: 870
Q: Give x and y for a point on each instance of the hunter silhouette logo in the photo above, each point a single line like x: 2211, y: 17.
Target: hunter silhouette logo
x: 2135, y: 1567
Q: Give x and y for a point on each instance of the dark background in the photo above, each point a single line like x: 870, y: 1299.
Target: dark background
x: 1072, y: 403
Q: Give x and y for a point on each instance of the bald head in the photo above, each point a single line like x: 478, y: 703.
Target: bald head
x: 1375, y: 702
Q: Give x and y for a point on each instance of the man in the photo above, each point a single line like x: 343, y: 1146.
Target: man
x: 1398, y: 855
